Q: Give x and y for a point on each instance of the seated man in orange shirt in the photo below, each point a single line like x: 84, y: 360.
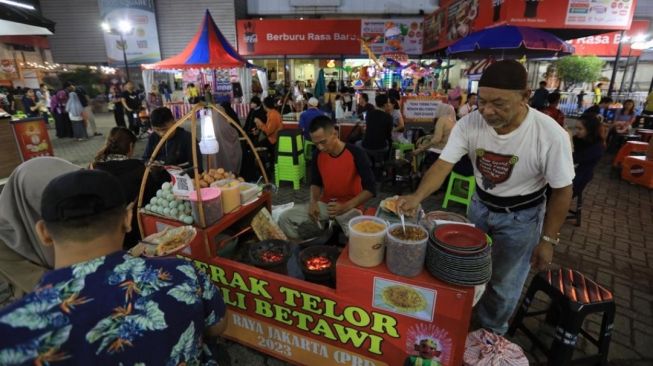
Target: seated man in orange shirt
x: 341, y: 180
x: 272, y: 126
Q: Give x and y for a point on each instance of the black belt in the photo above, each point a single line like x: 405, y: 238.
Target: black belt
x: 513, y: 203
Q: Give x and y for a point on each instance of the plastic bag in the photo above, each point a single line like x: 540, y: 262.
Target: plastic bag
x: 484, y: 348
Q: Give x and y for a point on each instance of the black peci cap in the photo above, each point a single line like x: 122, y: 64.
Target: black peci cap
x: 80, y: 194
x: 505, y: 74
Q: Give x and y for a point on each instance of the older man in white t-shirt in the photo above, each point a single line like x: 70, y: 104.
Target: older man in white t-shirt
x: 516, y: 151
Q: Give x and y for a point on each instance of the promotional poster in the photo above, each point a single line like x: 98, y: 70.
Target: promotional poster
x: 32, y: 138
x: 456, y: 19
x: 393, y: 35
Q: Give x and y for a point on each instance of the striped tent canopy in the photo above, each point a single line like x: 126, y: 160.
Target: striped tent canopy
x: 208, y: 49
x: 477, y: 67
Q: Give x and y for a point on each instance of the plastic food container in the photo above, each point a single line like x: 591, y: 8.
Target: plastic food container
x: 366, y: 240
x: 211, y: 203
x: 406, y: 252
x: 230, y: 196
x: 248, y: 191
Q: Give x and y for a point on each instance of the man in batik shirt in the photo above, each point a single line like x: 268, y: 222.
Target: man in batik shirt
x: 100, y: 305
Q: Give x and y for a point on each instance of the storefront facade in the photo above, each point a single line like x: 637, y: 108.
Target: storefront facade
x: 295, y: 50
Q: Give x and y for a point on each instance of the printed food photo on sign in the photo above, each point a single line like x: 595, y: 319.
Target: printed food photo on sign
x: 405, y: 299
x: 460, y: 18
x: 426, y: 344
x: 495, y: 168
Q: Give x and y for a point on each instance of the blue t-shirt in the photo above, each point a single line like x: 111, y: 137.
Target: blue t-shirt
x: 116, y: 309
x: 306, y: 118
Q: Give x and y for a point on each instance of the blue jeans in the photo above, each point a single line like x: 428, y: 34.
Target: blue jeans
x: 514, y: 235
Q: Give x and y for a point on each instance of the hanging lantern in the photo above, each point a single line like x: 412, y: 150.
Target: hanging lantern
x: 208, y: 142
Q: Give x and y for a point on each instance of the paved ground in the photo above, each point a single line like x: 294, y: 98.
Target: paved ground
x: 614, y: 246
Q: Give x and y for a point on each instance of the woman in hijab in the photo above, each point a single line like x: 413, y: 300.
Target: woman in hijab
x: 23, y: 259
x: 75, y: 109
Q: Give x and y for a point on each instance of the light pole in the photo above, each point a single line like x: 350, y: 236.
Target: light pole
x: 640, y: 44
x: 616, y: 64
x: 124, y: 27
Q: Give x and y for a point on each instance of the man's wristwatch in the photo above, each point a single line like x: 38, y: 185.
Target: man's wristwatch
x: 550, y: 240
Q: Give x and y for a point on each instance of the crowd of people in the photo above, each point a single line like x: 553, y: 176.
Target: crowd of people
x: 64, y: 229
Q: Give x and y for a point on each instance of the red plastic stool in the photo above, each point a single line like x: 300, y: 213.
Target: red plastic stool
x: 638, y: 170
x: 646, y: 134
x: 629, y: 148
x: 574, y: 297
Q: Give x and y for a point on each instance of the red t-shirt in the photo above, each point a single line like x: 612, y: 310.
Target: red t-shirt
x: 556, y: 114
x: 344, y: 176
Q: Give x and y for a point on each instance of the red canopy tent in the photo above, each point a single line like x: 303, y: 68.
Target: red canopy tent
x: 208, y: 49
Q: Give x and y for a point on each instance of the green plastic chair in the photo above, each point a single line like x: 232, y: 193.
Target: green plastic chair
x: 308, y: 149
x: 404, y: 147
x: 456, y: 192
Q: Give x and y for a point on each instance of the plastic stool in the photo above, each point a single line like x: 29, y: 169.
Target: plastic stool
x: 456, y: 193
x: 646, y: 134
x: 403, y: 147
x: 309, y: 146
x: 627, y: 149
x: 290, y: 173
x: 573, y: 298
x: 638, y: 170
x: 290, y: 162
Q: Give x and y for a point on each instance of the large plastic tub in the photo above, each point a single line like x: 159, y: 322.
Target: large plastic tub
x: 211, y: 203
x: 366, y: 244
x: 405, y: 257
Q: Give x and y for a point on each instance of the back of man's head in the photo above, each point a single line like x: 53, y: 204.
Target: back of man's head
x: 553, y: 98
x: 83, y: 206
x: 381, y: 100
x: 269, y: 102
x: 542, y: 84
x: 365, y: 97
x: 161, y: 116
x: 322, y: 122
x: 606, y: 100
x: 505, y: 74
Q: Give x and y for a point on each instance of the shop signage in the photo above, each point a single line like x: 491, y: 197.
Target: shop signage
x: 32, y: 138
x: 420, y: 108
x: 606, y: 44
x: 298, y: 37
x: 378, y: 320
x: 393, y: 35
x: 581, y: 14
x: 456, y: 19
x: 142, y: 42
x: 434, y: 29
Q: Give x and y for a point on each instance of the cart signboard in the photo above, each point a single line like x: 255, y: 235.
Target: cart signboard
x: 371, y: 318
x: 32, y: 138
